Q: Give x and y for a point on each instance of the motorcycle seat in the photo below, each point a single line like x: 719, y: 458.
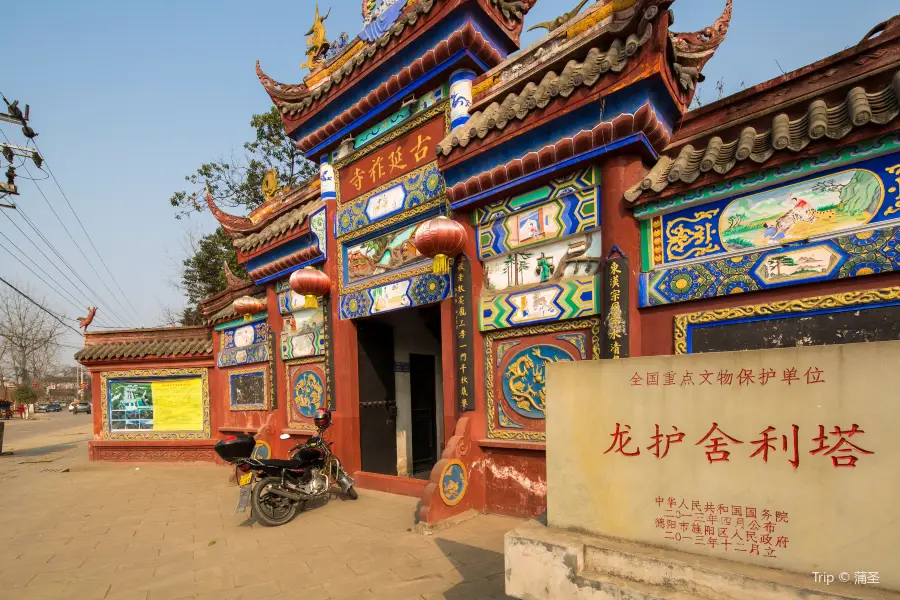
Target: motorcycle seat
x: 280, y: 463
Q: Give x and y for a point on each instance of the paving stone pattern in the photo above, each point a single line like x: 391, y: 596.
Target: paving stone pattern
x: 164, y: 532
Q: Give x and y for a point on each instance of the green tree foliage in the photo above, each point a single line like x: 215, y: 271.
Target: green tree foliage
x: 234, y: 183
x: 24, y: 395
x: 860, y: 194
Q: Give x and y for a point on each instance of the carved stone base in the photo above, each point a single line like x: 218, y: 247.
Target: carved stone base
x: 200, y: 451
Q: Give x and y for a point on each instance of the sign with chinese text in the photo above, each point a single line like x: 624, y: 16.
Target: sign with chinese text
x: 780, y: 458
x: 397, y: 158
x: 615, y: 308
x: 462, y: 316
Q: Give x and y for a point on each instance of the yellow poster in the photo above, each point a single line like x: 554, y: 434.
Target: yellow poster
x: 178, y: 405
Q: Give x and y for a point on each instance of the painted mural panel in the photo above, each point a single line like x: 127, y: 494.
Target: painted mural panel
x: 567, y: 299
x: 827, y: 205
x: 852, y: 255
x: 417, y: 290
x: 403, y: 155
x: 245, y: 344
x: 303, y: 334
x: 572, y: 213
x: 306, y: 385
x: 575, y: 256
x: 821, y: 206
x: 516, y: 373
x: 584, y: 183
x: 421, y: 187
x: 381, y: 254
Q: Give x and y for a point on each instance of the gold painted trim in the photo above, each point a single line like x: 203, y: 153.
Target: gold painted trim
x: 289, y: 395
x: 784, y: 307
x: 502, y: 334
x: 442, y: 106
x: 393, y: 220
x: 105, y: 376
x: 265, y: 369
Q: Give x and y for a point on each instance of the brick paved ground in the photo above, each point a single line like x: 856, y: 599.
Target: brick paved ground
x: 163, y: 532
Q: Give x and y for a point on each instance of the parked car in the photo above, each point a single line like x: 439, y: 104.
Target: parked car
x: 54, y: 407
x: 5, y: 410
x: 42, y: 407
x: 82, y: 407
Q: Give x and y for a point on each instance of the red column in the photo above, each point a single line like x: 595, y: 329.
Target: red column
x: 619, y: 227
x: 345, y: 357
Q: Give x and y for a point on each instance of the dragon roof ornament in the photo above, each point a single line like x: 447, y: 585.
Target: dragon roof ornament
x: 693, y: 50
x: 231, y: 223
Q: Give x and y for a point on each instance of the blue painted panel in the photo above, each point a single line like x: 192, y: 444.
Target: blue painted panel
x: 414, y: 291
x: 831, y: 203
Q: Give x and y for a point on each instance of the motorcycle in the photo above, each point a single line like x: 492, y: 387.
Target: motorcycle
x: 278, y: 489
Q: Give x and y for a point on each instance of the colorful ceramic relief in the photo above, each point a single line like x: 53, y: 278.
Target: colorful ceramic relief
x: 245, y: 344
x: 564, y: 216
x: 821, y: 206
x: 516, y: 373
x: 417, y: 290
x: 568, y: 299
x: 303, y: 334
x: 422, y: 187
x: 307, y: 391
x: 576, y: 256
x: 585, y: 183
x: 852, y: 255
x: 524, y: 379
x: 381, y: 254
x: 454, y: 482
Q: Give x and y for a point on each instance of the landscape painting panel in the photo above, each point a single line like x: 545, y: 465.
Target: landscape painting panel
x: 825, y: 205
x: 383, y: 253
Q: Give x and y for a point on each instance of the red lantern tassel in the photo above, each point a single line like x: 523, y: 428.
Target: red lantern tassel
x: 441, y: 265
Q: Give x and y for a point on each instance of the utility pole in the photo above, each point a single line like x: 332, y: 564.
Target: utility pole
x: 15, y: 116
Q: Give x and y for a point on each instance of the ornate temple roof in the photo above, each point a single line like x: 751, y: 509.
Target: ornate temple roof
x: 607, y: 56
x: 859, y: 109
x: 173, y: 342
x: 380, y: 40
x: 607, y: 36
x: 277, y: 218
x: 277, y: 228
x: 643, y: 120
x: 465, y: 37
x: 782, y: 117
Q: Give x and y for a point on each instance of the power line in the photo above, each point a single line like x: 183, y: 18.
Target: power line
x: 59, y: 288
x: 86, y: 234
x: 8, y: 251
x: 114, y: 318
x: 87, y: 260
x: 40, y: 306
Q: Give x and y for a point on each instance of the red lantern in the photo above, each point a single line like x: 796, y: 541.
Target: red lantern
x: 310, y: 283
x: 442, y: 239
x: 247, y: 306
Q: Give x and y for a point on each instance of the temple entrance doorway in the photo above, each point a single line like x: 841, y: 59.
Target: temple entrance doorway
x: 401, y: 392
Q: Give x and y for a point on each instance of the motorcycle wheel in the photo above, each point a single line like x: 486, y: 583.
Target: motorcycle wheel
x: 271, y: 510
x: 352, y: 493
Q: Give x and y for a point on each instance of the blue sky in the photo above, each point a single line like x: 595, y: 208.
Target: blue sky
x: 129, y: 97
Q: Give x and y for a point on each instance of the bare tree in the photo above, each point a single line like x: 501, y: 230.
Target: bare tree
x: 29, y: 337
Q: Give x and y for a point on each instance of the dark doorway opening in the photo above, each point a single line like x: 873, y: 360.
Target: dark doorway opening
x: 377, y: 397
x: 400, y: 391
x: 423, y: 409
